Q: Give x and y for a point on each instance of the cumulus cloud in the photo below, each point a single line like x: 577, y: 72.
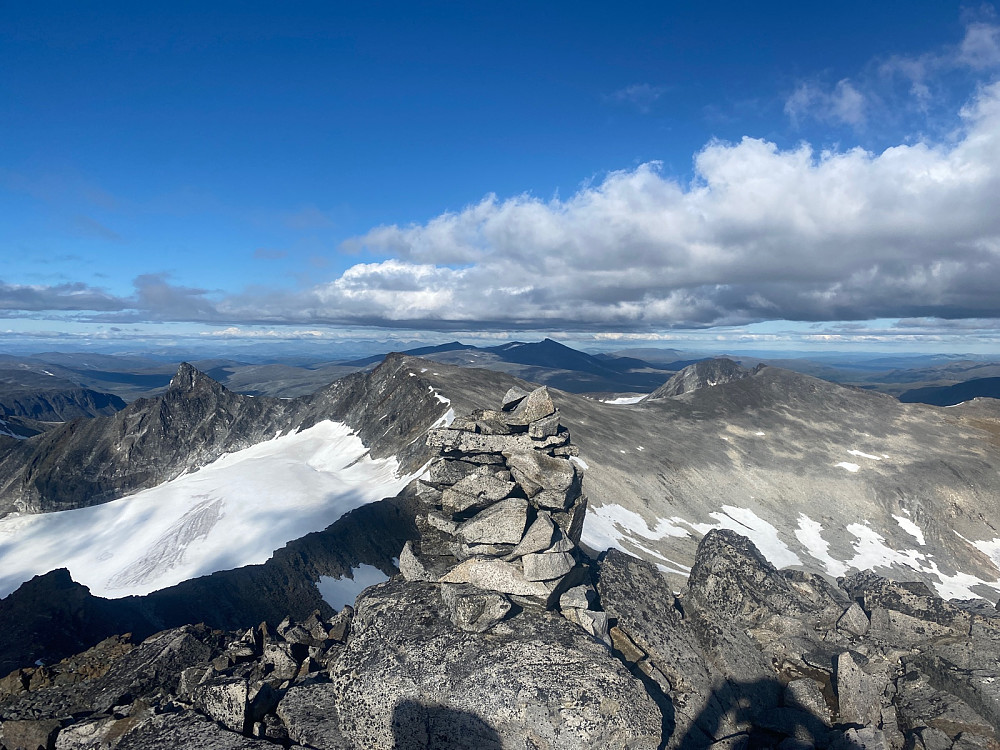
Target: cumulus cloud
x: 761, y: 233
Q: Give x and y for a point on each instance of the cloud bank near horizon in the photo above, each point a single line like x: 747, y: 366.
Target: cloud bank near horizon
x: 760, y: 233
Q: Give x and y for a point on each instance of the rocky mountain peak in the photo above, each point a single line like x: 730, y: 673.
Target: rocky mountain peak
x: 704, y: 374
x: 189, y: 378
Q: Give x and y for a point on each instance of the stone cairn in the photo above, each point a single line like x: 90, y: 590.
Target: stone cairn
x: 505, y: 514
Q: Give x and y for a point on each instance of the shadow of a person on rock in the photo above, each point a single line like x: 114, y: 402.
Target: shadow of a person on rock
x: 419, y: 726
x: 750, y: 715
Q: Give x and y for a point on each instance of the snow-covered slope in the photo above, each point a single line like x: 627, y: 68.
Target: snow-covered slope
x: 233, y: 512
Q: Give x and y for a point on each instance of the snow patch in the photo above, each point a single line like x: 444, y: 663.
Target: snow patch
x: 911, y: 528
x: 809, y: 535
x: 871, y: 551
x: 236, y: 511
x: 340, y: 592
x: 759, y: 434
x: 861, y: 454
x: 625, y: 400
x: 853, y: 468
x: 579, y: 462
x: 612, y: 525
x: 445, y: 419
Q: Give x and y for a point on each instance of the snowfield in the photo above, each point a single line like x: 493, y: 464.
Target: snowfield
x: 233, y: 512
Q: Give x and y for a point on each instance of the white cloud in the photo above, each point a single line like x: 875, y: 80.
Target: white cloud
x: 980, y: 49
x: 844, y: 104
x: 762, y: 233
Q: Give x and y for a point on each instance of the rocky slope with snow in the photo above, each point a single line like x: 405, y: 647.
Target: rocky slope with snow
x: 500, y: 628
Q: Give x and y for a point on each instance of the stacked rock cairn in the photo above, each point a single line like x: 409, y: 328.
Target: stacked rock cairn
x: 505, y: 511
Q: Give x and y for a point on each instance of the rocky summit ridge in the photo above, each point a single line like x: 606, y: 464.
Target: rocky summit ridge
x: 499, y: 633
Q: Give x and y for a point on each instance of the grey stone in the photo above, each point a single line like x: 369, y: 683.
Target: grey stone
x: 502, y: 523
x: 226, y: 700
x: 191, y: 678
x: 859, y: 693
x: 441, y: 523
x: 340, y: 623
x: 571, y: 521
x: 693, y: 650
x: 187, y: 730
x: 459, y: 441
x: 536, y: 471
x: 580, y: 597
x: 562, y: 543
x: 89, y: 734
x: 446, y: 471
x: 309, y: 712
x: 795, y: 723
x: 278, y: 662
x: 512, y: 398
x: 411, y: 567
x: 854, y: 620
x: 806, y: 695
x: 555, y: 499
x: 473, y: 610
x: 544, y: 427
x: 477, y: 490
x: 903, y: 630
x: 595, y: 623
x: 495, y: 575
x: 546, y: 566
x: 921, y: 702
x: 534, y: 406
x: 465, y: 551
x: 566, y: 450
x: 550, y: 443
x: 537, y: 538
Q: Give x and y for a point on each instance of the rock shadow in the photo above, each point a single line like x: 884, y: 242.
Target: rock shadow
x: 419, y: 726
x: 755, y: 706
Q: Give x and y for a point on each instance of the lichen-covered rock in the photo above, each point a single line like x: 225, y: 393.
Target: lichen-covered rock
x: 473, y: 610
x: 532, y: 678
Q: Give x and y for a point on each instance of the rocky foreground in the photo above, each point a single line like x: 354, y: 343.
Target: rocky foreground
x: 500, y: 633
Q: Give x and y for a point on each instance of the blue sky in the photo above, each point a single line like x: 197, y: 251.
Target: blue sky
x: 791, y: 173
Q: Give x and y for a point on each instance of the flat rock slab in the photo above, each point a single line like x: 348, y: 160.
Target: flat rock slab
x: 547, y: 566
x: 495, y: 575
x: 460, y: 441
x: 502, y: 523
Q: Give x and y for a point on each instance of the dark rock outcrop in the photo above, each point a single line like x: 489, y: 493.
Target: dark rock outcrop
x: 704, y: 374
